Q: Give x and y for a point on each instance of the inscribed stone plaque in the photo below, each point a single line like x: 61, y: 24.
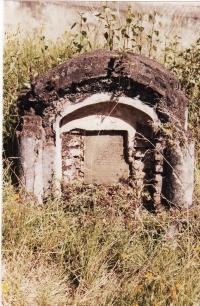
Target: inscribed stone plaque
x: 104, y: 161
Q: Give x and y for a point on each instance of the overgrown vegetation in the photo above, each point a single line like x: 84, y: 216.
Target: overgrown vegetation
x: 26, y: 57
x: 98, y: 247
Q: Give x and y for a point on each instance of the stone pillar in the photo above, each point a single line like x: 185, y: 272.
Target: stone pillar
x: 72, y: 156
x: 158, y: 180
x: 31, y: 155
x: 178, y: 184
x: 48, y: 166
x: 138, y: 166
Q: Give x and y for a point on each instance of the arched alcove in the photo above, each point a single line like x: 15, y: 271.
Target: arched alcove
x: 115, y: 100
x: 96, y: 140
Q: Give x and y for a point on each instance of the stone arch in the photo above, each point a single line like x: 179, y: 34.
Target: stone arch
x: 88, y: 116
x: 136, y: 84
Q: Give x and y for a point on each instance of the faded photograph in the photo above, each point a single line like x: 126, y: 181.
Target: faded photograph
x: 101, y: 154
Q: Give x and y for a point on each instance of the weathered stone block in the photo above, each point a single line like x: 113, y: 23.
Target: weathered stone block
x: 104, y: 159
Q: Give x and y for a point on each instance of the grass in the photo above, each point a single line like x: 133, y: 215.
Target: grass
x: 25, y: 57
x: 97, y: 246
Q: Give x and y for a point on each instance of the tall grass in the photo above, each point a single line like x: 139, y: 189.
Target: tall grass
x: 26, y: 57
x: 97, y: 246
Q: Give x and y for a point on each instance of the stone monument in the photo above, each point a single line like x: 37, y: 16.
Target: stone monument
x: 101, y: 118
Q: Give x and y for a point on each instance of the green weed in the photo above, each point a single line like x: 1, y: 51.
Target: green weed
x: 97, y: 246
